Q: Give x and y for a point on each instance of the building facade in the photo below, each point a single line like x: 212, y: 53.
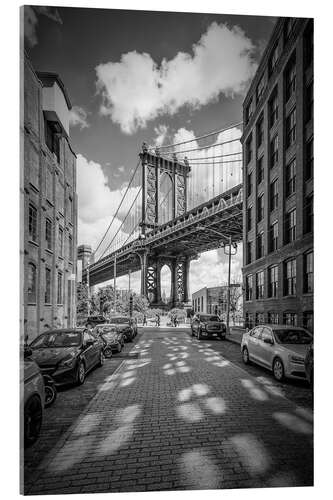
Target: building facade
x: 278, y: 180
x: 214, y: 300
x: 48, y: 205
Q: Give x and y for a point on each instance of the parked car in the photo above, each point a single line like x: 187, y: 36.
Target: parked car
x: 95, y: 320
x: 112, y: 338
x: 279, y: 348
x: 308, y: 363
x: 33, y: 399
x: 207, y: 325
x: 124, y: 324
x: 67, y: 355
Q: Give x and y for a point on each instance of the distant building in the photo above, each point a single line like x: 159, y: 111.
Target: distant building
x: 48, y: 205
x: 214, y: 300
x: 278, y: 180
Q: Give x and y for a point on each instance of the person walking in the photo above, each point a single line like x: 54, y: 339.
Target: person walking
x: 144, y: 320
x: 158, y: 320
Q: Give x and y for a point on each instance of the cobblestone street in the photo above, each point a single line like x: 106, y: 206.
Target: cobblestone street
x: 184, y: 414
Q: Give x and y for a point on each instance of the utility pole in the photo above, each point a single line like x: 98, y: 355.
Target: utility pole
x: 229, y: 253
x: 115, y: 282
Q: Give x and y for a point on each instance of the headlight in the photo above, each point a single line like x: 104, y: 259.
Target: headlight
x: 297, y: 359
x: 203, y: 327
x: 67, y: 362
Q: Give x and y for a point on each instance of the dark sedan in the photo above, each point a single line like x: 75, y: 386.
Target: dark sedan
x: 113, y: 338
x: 68, y: 354
x: 207, y: 325
x: 125, y: 325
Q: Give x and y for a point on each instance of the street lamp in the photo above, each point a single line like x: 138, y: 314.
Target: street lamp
x: 230, y: 245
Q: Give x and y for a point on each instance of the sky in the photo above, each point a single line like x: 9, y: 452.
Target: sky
x: 135, y: 76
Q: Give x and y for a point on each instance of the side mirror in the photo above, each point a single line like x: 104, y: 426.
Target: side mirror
x: 89, y: 343
x: 269, y: 341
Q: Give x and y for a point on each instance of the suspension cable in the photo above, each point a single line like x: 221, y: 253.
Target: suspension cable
x: 213, y: 157
x: 115, y: 215
x: 205, y: 147
x: 200, y: 137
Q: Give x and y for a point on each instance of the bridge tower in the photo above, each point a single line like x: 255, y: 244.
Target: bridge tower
x: 153, y: 167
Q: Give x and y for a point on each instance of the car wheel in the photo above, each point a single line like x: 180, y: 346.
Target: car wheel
x: 108, y: 352
x: 199, y: 335
x: 278, y: 369
x: 245, y: 356
x: 119, y: 347
x: 81, y: 373
x: 50, y: 395
x: 33, y: 416
x: 101, y: 358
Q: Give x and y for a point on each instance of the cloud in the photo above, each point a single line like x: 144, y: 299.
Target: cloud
x: 161, y: 133
x: 136, y: 90
x: 97, y: 204
x: 31, y: 21
x: 121, y: 169
x: 78, y: 117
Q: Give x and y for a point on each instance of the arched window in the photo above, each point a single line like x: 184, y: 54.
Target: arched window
x: 32, y: 276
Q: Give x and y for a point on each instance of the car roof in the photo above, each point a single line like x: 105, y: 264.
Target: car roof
x: 280, y: 327
x: 65, y: 330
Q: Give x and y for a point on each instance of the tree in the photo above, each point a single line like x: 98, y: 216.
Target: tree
x: 236, y: 302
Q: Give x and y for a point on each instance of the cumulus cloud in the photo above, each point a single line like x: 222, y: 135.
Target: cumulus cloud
x: 136, y: 90
x: 161, y: 132
x: 31, y: 21
x: 78, y: 117
x: 97, y: 204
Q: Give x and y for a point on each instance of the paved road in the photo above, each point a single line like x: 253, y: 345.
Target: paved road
x: 184, y: 415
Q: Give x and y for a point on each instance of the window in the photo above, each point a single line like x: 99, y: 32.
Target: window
x: 290, y: 319
x: 260, y: 285
x: 260, y: 170
x: 260, y: 319
x: 274, y: 234
x: 70, y: 248
x: 248, y: 149
x: 249, y: 218
x: 249, y: 287
x: 309, y: 102
x: 52, y: 138
x: 32, y: 277
x: 274, y: 151
x: 32, y: 223
x: 274, y: 195
x: 48, y: 234
x: 260, y: 88
x: 291, y: 226
x: 273, y: 281
x: 260, y: 245
x: 308, y: 320
x: 308, y: 272
x: 308, y: 214
x: 273, y: 106
x: 48, y: 286
x: 70, y: 210
x: 249, y: 252
x: 61, y: 240
x: 249, y: 111
x: 59, y: 289
x: 308, y: 44
x: 290, y: 277
x: 309, y: 160
x: 248, y: 320
x: 249, y: 183
x: 291, y: 78
x: 260, y: 132
x: 291, y: 177
x: 273, y: 59
x: 273, y: 318
x: 291, y: 128
x: 260, y: 208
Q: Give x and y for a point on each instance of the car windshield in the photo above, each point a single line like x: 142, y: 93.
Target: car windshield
x: 57, y: 339
x: 204, y: 317
x: 118, y: 321
x: 292, y: 336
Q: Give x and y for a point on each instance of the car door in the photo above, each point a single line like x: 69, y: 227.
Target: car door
x: 265, y: 347
x: 253, y: 343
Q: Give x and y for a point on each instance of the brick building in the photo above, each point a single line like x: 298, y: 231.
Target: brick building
x: 214, y: 300
x: 278, y: 180
x: 48, y: 205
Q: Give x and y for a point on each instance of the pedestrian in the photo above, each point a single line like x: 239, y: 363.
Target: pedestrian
x: 144, y: 320
x: 158, y: 321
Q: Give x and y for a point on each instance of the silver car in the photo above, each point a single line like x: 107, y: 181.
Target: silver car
x: 279, y: 348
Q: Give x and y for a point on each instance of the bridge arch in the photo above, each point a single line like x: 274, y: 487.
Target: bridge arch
x: 166, y: 279
x: 166, y: 197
